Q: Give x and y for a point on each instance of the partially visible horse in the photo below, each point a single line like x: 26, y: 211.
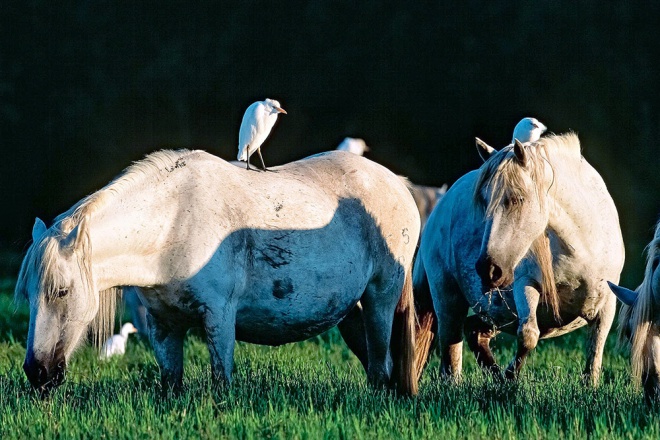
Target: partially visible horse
x: 426, y: 199
x: 267, y: 258
x: 527, y: 242
x: 639, y: 322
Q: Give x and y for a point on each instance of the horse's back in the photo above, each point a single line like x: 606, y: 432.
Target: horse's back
x: 303, y: 242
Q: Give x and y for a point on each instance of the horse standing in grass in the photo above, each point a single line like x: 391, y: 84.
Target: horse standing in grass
x: 527, y: 242
x: 267, y: 258
x: 639, y: 322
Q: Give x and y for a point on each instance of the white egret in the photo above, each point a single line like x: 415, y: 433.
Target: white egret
x: 528, y: 130
x: 116, y: 344
x: 353, y: 145
x: 257, y: 122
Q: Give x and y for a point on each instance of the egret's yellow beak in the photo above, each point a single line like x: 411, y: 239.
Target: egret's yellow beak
x: 280, y: 110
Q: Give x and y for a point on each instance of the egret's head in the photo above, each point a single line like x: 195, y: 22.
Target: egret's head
x: 128, y: 328
x: 353, y: 145
x: 528, y: 130
x: 274, y: 106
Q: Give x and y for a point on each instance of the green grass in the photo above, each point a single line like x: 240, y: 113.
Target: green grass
x: 316, y: 389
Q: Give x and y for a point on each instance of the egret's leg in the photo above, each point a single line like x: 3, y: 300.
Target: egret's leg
x: 263, y: 165
x: 352, y: 330
x: 167, y: 343
x: 220, y: 325
x: 527, y: 301
x: 600, y: 327
x: 478, y: 336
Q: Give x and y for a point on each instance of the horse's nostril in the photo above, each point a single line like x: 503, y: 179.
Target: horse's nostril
x: 43, y: 374
x: 495, y: 272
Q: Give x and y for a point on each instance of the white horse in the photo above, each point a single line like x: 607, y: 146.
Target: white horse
x: 639, y: 322
x: 527, y: 242
x: 267, y: 258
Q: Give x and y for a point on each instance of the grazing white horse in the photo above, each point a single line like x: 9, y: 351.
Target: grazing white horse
x: 639, y: 322
x: 527, y: 242
x: 258, y: 257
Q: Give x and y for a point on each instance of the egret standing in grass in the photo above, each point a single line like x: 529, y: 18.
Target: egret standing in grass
x: 116, y: 344
x: 353, y: 145
x: 257, y: 122
x: 528, y: 130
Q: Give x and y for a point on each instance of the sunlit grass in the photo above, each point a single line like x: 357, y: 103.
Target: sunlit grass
x: 316, y: 389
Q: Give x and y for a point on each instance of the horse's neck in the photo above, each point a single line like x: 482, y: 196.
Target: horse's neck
x: 580, y: 209
x: 127, y: 238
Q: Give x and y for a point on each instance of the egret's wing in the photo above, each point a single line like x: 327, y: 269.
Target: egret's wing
x: 249, y: 129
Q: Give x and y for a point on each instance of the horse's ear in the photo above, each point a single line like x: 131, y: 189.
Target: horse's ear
x: 73, y: 241
x: 38, y: 229
x: 485, y: 150
x: 626, y: 296
x: 519, y: 151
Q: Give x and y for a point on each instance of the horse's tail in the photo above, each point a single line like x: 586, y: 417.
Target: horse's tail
x: 404, y: 373
x: 425, y: 317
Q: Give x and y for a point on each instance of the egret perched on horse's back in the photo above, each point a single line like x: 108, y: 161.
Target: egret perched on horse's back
x: 528, y: 130
x: 353, y: 145
x: 116, y: 344
x: 258, y: 121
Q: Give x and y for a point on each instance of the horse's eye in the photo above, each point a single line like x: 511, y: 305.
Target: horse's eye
x: 655, y: 263
x: 61, y: 292
x: 514, y: 201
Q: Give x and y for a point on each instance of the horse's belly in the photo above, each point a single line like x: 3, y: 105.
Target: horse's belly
x: 276, y: 321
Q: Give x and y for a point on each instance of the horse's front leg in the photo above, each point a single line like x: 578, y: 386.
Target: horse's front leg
x: 451, y: 310
x: 167, y: 343
x: 527, y: 301
x: 600, y: 327
x: 478, y: 335
x: 220, y: 326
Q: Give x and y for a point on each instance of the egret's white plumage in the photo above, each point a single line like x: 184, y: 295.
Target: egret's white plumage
x: 528, y: 130
x: 353, y: 145
x: 257, y: 122
x: 116, y: 344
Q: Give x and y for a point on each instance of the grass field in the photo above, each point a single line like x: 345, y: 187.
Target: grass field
x: 316, y: 389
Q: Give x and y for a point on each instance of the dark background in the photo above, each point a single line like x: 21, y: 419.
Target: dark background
x: 87, y: 87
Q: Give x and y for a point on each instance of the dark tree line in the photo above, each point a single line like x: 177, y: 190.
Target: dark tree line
x: 88, y: 87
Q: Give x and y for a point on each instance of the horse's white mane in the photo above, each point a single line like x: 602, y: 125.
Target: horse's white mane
x: 639, y: 316
x: 42, y: 254
x: 153, y: 164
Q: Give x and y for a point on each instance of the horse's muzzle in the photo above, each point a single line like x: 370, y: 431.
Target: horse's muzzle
x: 45, y: 377
x: 492, y: 276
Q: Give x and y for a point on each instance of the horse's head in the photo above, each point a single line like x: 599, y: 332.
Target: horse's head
x: 639, y: 322
x: 512, y: 190
x: 55, y: 279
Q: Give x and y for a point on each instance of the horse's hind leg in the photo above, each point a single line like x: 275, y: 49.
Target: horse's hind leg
x: 378, y: 305
x: 527, y: 301
x: 352, y: 331
x: 478, y: 335
x: 600, y: 327
x: 167, y: 343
